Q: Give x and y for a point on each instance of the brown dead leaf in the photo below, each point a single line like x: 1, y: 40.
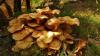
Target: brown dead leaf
x: 11, y: 4
x: 4, y: 9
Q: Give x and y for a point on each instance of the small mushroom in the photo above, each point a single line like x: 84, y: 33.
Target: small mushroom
x: 36, y: 34
x: 69, y: 38
x: 40, y: 18
x: 40, y: 42
x: 43, y: 10
x: 53, y: 23
x: 15, y: 25
x: 32, y: 24
x: 24, y: 17
x: 71, y: 21
x: 81, y: 44
x: 55, y: 11
x: 22, y: 34
x: 33, y: 15
x: 49, y: 36
x: 43, y: 17
x: 23, y: 44
x: 55, y: 44
x: 61, y: 37
x: 57, y: 33
x: 40, y: 28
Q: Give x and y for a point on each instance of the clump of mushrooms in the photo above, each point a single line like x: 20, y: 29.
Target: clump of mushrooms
x: 48, y: 30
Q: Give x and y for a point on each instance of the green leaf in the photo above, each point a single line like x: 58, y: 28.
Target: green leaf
x: 35, y: 3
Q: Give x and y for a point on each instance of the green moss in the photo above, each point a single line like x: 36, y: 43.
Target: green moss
x: 92, y: 50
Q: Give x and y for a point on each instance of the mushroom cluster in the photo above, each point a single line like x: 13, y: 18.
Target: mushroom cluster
x: 48, y: 30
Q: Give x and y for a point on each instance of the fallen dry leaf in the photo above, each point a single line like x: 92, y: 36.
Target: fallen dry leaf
x: 4, y: 9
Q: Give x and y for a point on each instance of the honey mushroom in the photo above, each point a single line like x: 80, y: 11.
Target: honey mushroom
x: 44, y: 27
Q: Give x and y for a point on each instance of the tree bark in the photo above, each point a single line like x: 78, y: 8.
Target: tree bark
x: 17, y: 7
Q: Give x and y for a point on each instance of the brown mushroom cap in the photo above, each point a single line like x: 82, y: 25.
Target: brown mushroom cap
x: 24, y: 17
x: 39, y: 28
x: 43, y: 17
x: 71, y: 21
x: 40, y: 42
x: 48, y: 37
x: 22, y: 34
x: 53, y: 23
x: 15, y: 25
x: 47, y: 9
x: 61, y: 37
x: 55, y: 11
x: 32, y: 24
x: 69, y: 39
x: 55, y: 45
x: 33, y: 15
x: 36, y: 34
x: 23, y: 44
